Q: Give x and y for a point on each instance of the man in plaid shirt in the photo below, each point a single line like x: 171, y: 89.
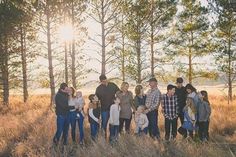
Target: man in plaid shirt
x: 152, y: 103
x: 170, y: 110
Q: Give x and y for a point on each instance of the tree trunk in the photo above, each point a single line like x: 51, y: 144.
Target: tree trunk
x: 230, y: 92
x: 73, y: 48
x: 66, y: 64
x: 5, y: 73
x: 103, y: 71
x: 24, y: 63
x: 123, y: 51
x: 51, y: 76
x: 152, y: 43
x: 138, y: 49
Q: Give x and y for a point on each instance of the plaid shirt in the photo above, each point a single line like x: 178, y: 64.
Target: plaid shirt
x: 153, y: 99
x: 170, y: 106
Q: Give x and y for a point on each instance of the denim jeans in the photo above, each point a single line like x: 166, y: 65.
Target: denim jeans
x: 140, y: 131
x: 153, y: 124
x: 203, y: 130
x: 81, y: 126
x: 170, y: 125
x: 94, y: 130
x: 62, y: 127
x: 105, y: 117
x: 72, y: 121
x: 114, y: 131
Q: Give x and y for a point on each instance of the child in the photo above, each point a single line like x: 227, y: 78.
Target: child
x: 79, y: 104
x: 204, y: 116
x: 114, y: 120
x: 79, y: 101
x: 94, y: 115
x: 141, y: 120
x: 170, y: 110
x: 189, y: 116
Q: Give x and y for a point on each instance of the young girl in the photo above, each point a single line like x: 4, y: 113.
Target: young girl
x: 141, y: 120
x: 204, y: 116
x: 94, y: 115
x: 79, y: 101
x: 189, y: 116
x: 114, y: 120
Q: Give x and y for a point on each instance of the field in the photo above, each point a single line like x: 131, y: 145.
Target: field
x: 27, y: 130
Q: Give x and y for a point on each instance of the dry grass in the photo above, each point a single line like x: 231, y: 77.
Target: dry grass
x: 27, y: 130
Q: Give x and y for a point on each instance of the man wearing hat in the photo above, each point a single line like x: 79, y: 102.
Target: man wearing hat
x: 106, y: 94
x: 152, y: 103
x: 181, y: 98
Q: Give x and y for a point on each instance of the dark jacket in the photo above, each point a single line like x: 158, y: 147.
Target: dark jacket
x: 106, y: 95
x: 61, y: 100
x: 96, y: 113
x: 138, y: 101
x: 181, y: 98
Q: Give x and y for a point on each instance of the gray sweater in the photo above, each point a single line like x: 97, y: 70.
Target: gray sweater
x: 204, y: 111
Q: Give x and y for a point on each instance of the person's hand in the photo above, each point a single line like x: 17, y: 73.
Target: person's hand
x: 99, y: 121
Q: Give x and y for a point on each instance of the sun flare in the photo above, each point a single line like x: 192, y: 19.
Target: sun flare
x: 66, y: 32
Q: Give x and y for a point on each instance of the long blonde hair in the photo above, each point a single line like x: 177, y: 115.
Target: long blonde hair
x: 123, y: 85
x: 190, y: 103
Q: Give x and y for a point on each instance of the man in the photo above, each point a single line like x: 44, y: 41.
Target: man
x: 106, y: 94
x: 152, y: 103
x: 170, y: 111
x: 62, y: 111
x: 181, y: 98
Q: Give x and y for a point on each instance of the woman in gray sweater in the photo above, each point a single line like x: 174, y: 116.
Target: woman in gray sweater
x: 126, y: 105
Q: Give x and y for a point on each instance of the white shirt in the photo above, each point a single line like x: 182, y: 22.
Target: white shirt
x: 114, y: 115
x: 92, y: 115
x: 79, y: 102
x: 141, y: 120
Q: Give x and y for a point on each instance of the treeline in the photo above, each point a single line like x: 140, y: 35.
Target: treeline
x: 140, y: 38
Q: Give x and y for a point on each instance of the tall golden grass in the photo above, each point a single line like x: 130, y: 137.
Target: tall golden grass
x: 28, y: 129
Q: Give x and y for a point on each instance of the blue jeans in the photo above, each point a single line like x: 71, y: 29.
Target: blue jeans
x: 62, y: 127
x: 140, y: 131
x: 153, y: 124
x: 114, y: 131
x: 105, y: 117
x: 94, y: 130
x: 81, y: 126
x: 72, y: 121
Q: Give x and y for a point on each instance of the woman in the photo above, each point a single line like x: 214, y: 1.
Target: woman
x: 192, y: 93
x: 72, y: 114
x: 140, y: 97
x: 126, y: 104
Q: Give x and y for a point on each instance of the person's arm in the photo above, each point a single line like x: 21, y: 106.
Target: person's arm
x: 111, y: 119
x: 92, y: 115
x: 136, y: 102
x: 61, y: 102
x: 132, y: 102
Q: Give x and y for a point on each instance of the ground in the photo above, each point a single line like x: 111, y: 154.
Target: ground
x: 28, y: 129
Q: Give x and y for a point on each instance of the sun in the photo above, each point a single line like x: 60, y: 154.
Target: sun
x: 66, y: 32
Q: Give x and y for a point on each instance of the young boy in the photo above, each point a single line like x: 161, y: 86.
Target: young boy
x: 141, y: 120
x: 170, y: 111
x: 114, y: 120
x: 94, y: 115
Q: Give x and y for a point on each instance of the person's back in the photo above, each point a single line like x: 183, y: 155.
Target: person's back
x: 106, y: 95
x: 61, y: 101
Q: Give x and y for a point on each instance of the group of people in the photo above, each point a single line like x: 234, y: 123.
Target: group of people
x: 114, y: 107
